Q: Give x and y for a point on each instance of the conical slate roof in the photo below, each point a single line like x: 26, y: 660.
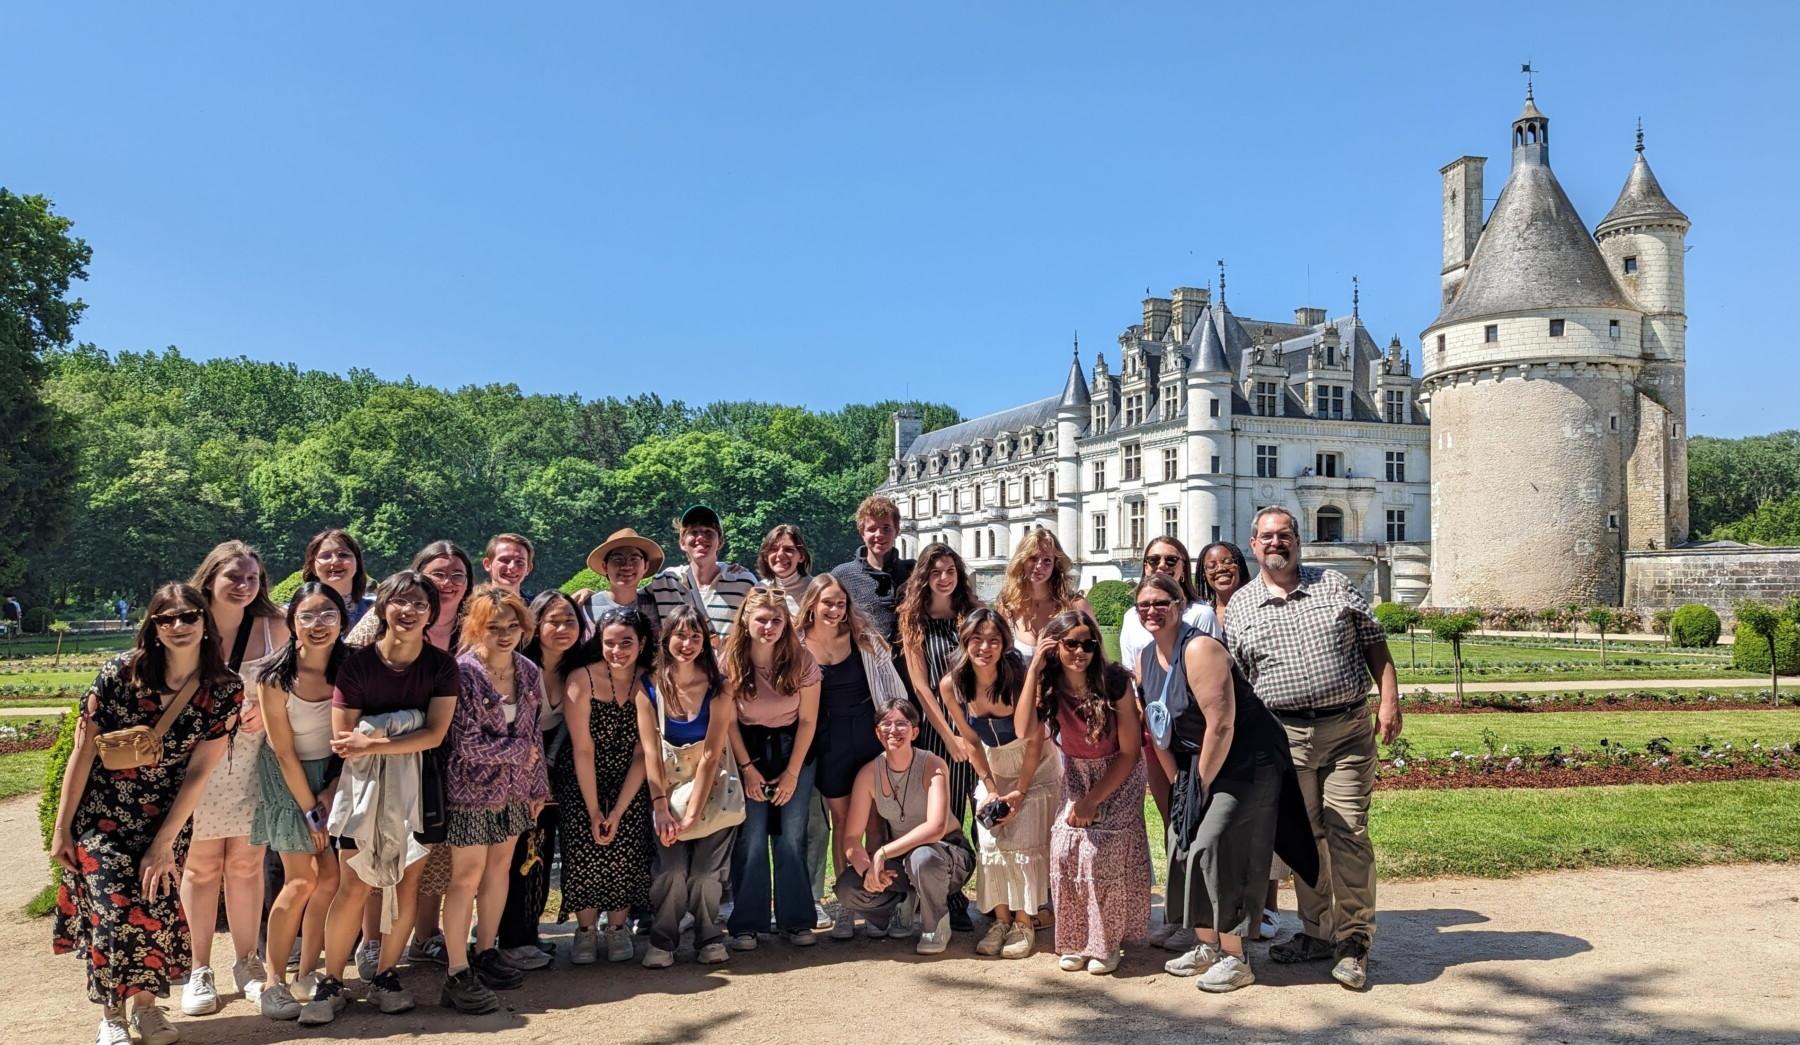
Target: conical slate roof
x: 1075, y: 393
x: 1218, y: 341
x: 1641, y: 202
x: 1535, y: 253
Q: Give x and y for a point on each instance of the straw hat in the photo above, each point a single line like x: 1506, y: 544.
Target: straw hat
x: 626, y: 538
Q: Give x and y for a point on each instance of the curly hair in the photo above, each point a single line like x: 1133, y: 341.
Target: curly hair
x: 1015, y: 590
x: 1106, y: 682
x: 915, y: 600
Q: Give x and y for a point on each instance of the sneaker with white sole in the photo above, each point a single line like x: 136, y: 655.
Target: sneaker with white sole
x: 278, y: 1003
x: 657, y: 958
x: 304, y: 987
x: 744, y: 942
x: 993, y: 939
x: 821, y: 920
x: 328, y: 1000
x: 200, y: 997
x: 114, y: 1029
x: 527, y: 957
x: 1268, y: 925
x: 713, y: 953
x: 153, y: 1028
x: 249, y: 974
x: 1072, y: 962
x: 801, y: 937
x: 936, y: 939
x: 1352, y: 968
x: 431, y: 950
x: 1103, y: 966
x: 1020, y: 942
x: 1196, y: 961
x: 1229, y: 973
x: 586, y: 948
x: 387, y: 994
x: 844, y: 928
x: 368, y: 959
x: 618, y: 943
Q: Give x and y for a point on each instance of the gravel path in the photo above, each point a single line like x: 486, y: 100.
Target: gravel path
x: 1574, y: 956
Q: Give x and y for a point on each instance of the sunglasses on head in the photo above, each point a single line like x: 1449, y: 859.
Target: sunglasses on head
x: 619, y: 615
x: 170, y: 619
x: 1080, y: 645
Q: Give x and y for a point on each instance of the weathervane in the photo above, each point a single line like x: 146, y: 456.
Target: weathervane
x: 1355, y: 299
x: 1527, y: 70
x: 1221, y: 281
x: 1640, y: 136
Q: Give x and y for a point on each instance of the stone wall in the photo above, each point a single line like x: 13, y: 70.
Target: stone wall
x: 1716, y: 577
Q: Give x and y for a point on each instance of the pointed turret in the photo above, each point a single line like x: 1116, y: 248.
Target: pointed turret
x: 1075, y: 391
x: 1641, y: 201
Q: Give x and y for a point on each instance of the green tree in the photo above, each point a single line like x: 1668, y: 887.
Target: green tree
x: 1604, y: 619
x: 1761, y: 623
x: 1452, y: 627
x: 39, y: 258
x: 1397, y: 618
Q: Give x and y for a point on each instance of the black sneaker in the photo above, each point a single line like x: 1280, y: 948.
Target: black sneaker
x: 327, y: 1002
x: 959, y: 913
x: 1301, y: 948
x: 387, y: 994
x: 496, y: 971
x: 464, y: 992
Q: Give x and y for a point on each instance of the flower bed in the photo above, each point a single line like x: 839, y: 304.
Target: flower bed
x: 1440, y: 702
x: 1658, y: 763
x: 32, y: 736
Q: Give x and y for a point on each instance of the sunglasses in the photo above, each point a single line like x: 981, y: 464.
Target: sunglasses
x: 169, y: 620
x: 1164, y: 560
x: 1088, y: 646
x: 618, y: 615
x: 1154, y: 606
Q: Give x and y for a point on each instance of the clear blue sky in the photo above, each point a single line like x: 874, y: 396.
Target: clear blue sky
x: 846, y: 202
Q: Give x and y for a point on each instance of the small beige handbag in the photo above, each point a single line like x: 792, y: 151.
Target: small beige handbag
x: 724, y: 804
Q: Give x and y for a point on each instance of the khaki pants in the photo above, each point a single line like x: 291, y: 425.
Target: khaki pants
x: 1335, y: 760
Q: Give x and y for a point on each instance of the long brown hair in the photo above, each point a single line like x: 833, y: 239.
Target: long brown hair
x: 146, y: 664
x: 686, y: 618
x: 1106, y: 682
x: 862, y: 630
x: 1015, y: 590
x: 214, y: 564
x: 915, y: 601
x: 784, y: 667
x: 802, y: 556
x: 1183, y: 576
x: 1009, y: 669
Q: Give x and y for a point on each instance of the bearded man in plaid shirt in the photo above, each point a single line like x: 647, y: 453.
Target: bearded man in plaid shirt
x: 1306, y: 640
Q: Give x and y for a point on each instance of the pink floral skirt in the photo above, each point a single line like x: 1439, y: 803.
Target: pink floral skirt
x: 1100, y: 874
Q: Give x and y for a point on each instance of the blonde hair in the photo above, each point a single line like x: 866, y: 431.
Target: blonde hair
x: 487, y: 602
x: 784, y: 667
x: 1015, y: 590
x: 862, y: 630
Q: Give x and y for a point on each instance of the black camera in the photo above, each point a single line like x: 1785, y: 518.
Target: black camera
x: 992, y: 813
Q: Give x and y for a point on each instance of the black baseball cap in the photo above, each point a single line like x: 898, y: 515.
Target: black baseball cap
x: 701, y: 515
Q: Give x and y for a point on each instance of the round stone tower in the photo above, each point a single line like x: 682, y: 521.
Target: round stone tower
x: 1529, y: 379
x: 1214, y: 345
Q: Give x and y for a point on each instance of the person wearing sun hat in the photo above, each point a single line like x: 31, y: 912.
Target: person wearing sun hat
x: 715, y: 588
x: 625, y: 558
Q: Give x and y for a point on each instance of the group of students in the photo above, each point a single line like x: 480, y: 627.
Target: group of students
x: 418, y: 757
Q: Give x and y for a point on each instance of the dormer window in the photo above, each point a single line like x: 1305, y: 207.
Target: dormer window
x: 1331, y: 355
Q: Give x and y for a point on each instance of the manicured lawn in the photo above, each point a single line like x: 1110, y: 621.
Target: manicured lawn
x: 1512, y: 661
x: 1500, y: 833
x: 46, y: 681
x: 1437, y: 735
x: 23, y: 773
x: 41, y: 645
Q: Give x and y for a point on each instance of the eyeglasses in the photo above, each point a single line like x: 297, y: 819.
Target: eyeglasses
x: 626, y: 558
x: 770, y: 589
x: 1164, y: 560
x: 415, y: 605
x: 1154, y: 606
x: 335, y: 556
x: 169, y: 620
x: 901, y: 726
x: 313, y: 620
x: 1080, y: 645
x: 448, y: 578
x: 1271, y: 538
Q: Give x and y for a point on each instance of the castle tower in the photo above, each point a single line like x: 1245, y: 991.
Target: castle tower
x: 1529, y: 375
x: 1644, y: 239
x: 1214, y: 346
x: 1071, y: 420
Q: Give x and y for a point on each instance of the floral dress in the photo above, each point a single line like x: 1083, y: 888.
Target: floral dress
x: 614, y: 876
x: 133, y: 944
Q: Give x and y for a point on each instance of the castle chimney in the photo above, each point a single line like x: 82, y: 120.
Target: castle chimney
x: 907, y: 425
x: 1189, y: 302
x: 1308, y: 317
x: 1156, y: 318
x: 1462, y: 218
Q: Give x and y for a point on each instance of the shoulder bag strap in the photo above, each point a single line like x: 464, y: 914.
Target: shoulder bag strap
x: 242, y: 644
x: 175, y: 707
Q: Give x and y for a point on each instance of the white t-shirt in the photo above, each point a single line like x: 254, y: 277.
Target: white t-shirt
x: 1133, y: 639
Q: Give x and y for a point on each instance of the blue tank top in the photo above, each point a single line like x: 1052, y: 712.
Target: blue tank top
x: 682, y: 732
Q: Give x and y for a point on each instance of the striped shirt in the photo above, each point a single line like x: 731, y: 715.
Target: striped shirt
x: 1308, y: 650
x: 674, y: 587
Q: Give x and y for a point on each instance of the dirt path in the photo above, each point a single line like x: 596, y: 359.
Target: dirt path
x: 1600, y: 955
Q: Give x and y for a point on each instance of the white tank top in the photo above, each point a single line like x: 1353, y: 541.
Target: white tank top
x: 311, y: 723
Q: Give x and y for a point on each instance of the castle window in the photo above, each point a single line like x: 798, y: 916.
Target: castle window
x: 1491, y: 333
x: 1326, y: 465
x: 1396, y: 466
x: 1171, y: 469
x: 1134, y: 409
x: 1049, y: 486
x: 1612, y: 422
x: 1215, y: 534
x: 1171, y: 521
x: 1099, y: 544
x: 1212, y: 406
x: 1395, y: 400
x: 1215, y: 464
x: 1396, y: 525
x: 1171, y: 400
x: 1612, y: 329
x: 1612, y: 520
x: 1265, y: 461
x: 1556, y: 328
x: 1131, y: 457
x: 1631, y: 265
x: 1331, y: 355
x: 1330, y: 528
x: 1440, y: 342
x: 1268, y: 398
x: 1134, y: 524
x: 977, y: 504
x: 1099, y: 475
x: 1328, y: 400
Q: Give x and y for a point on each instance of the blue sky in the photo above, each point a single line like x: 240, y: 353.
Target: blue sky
x: 847, y: 202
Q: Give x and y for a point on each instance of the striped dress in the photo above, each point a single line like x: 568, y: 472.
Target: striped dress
x: 940, y: 644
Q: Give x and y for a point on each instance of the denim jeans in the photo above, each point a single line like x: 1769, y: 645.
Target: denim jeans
x: 750, y: 884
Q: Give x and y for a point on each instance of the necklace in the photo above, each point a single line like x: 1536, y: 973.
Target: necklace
x: 612, y: 690
x: 899, y: 790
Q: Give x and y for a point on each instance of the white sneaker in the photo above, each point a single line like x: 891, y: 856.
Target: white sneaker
x: 1227, y: 974
x: 618, y: 944
x: 200, y: 997
x: 304, y: 986
x: 586, y: 949
x: 936, y: 939
x: 1196, y: 961
x: 993, y: 939
x: 1102, y: 966
x: 713, y: 953
x: 1268, y: 926
x: 821, y: 920
x: 526, y: 957
x: 657, y: 958
x: 152, y: 1026
x: 249, y: 974
x: 114, y: 1030
x: 368, y: 959
x: 1071, y: 963
x: 277, y: 1002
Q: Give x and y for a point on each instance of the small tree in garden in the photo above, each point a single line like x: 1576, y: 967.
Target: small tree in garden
x: 1604, y: 619
x: 1398, y: 619
x: 61, y: 628
x: 1547, y: 617
x: 1452, y: 627
x: 1759, y: 621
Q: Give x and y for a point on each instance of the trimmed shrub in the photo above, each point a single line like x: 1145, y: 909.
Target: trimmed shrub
x: 1694, y: 627
x: 283, y: 590
x: 1750, y: 648
x: 1394, y: 617
x: 585, y: 578
x: 1110, y: 600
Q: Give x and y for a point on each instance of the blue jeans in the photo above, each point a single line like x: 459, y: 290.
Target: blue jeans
x: 750, y: 865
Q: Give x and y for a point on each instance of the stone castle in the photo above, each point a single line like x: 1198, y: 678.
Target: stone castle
x: 1537, y: 459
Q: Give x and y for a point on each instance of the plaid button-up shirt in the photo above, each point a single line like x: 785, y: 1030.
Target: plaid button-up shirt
x: 1309, y: 650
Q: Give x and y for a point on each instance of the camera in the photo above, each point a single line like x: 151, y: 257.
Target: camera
x: 992, y: 813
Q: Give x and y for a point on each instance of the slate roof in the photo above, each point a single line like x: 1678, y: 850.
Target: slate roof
x: 1641, y: 202
x: 1041, y: 413
x: 1217, y: 342
x: 1075, y: 393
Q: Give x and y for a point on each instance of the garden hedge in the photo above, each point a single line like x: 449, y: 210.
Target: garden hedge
x: 1395, y: 618
x: 1109, y: 600
x: 1750, y: 648
x: 1694, y: 626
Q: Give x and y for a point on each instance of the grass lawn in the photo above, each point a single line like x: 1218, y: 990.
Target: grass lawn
x: 45, y: 645
x: 23, y: 773
x: 1437, y: 735
x: 47, y: 681
x: 1498, y: 833
x: 1514, y: 661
